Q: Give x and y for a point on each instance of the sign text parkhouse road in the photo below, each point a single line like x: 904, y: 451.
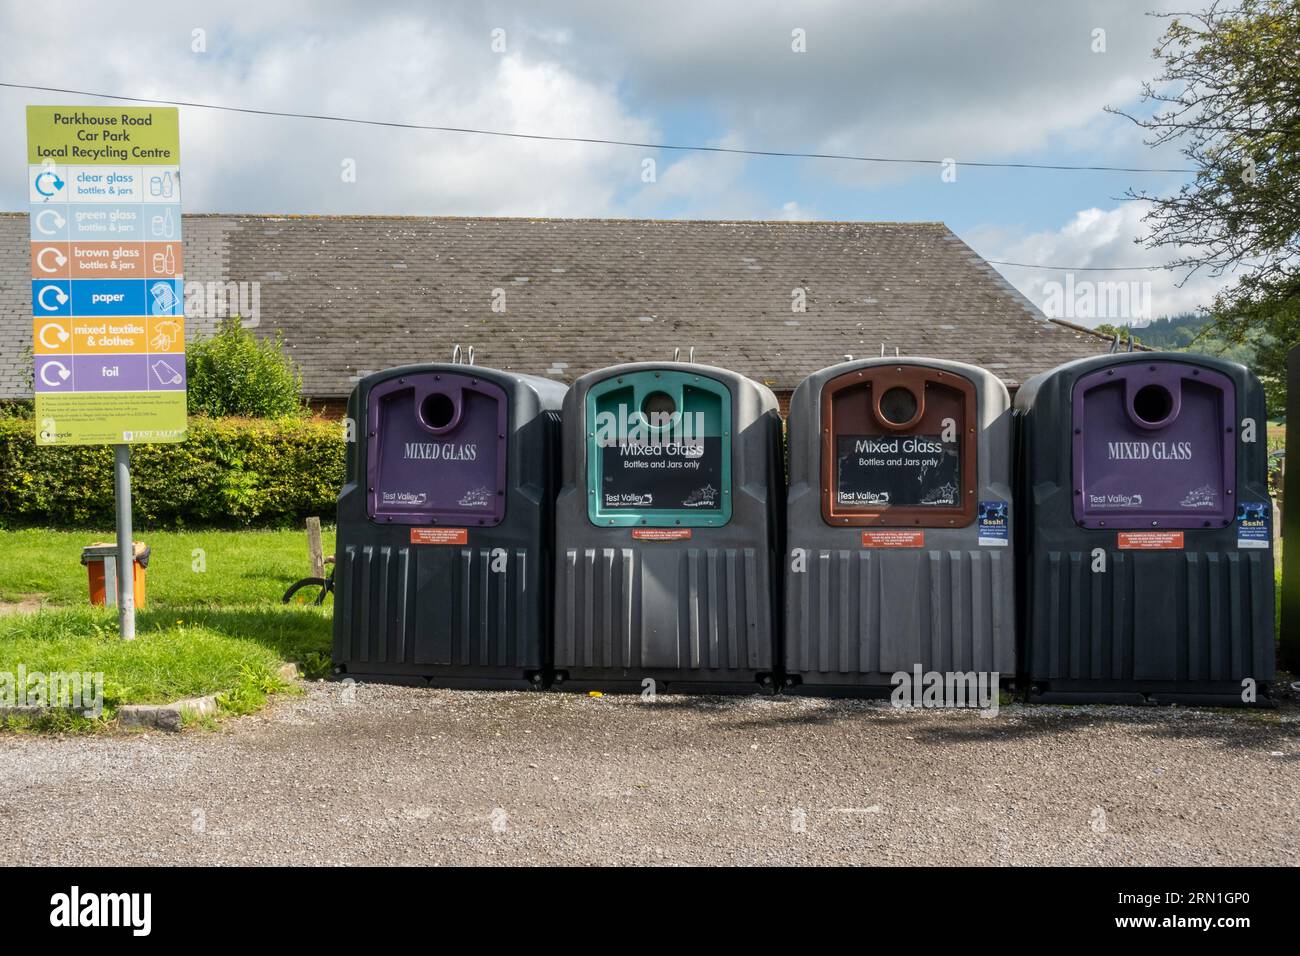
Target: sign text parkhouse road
x: 107, y: 274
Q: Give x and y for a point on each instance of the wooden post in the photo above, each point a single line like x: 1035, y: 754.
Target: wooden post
x: 1277, y: 536
x: 317, y: 551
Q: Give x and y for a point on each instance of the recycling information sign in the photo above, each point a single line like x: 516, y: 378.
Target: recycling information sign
x: 108, y: 312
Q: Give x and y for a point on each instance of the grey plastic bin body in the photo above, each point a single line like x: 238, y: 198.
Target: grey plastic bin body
x: 898, y: 531
x: 1145, y: 520
x: 668, y: 572
x: 445, y: 527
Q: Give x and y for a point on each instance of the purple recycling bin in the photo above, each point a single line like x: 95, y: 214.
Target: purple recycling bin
x: 444, y: 554
x: 1145, y: 538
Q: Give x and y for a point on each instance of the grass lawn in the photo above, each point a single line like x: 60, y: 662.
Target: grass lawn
x: 186, y: 568
x: 212, y: 623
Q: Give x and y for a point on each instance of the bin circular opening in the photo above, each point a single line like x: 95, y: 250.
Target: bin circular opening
x: 1153, y: 404
x: 898, y: 405
x: 658, y: 408
x: 438, y: 410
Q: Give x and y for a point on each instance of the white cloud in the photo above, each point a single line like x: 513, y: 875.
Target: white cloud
x: 924, y: 78
x: 394, y: 66
x: 1096, y: 239
x: 895, y: 77
x: 793, y: 211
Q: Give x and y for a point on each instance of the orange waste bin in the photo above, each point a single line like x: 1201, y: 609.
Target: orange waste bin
x: 96, y: 557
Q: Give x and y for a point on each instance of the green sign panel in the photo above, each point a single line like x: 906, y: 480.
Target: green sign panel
x: 103, y: 135
x: 107, y: 274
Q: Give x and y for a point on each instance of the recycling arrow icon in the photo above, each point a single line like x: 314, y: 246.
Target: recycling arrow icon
x: 61, y: 371
x: 60, y: 334
x: 46, y: 216
x: 60, y: 297
x: 48, y: 183
x: 44, y: 257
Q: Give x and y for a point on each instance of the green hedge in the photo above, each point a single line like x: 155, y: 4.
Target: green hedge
x: 230, y: 471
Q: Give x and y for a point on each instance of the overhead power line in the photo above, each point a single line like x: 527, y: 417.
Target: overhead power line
x: 591, y: 140
x: 1037, y: 265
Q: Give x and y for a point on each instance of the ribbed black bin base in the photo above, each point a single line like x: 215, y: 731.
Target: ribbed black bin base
x: 617, y: 681
x: 1190, y: 693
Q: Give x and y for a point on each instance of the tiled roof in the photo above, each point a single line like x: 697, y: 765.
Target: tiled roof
x: 353, y: 295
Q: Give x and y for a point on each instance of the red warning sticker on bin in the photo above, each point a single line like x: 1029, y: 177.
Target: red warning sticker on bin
x: 661, y: 534
x: 439, y: 536
x: 1150, y: 541
x: 893, y: 539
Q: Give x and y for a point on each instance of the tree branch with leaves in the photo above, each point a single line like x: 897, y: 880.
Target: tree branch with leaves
x: 1228, y: 95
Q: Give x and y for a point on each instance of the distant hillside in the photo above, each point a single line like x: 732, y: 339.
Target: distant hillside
x: 1180, y: 333
x: 1191, y: 333
x: 1172, y: 332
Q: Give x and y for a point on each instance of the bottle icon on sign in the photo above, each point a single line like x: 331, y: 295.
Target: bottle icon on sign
x: 164, y: 263
x: 164, y: 226
x: 162, y: 187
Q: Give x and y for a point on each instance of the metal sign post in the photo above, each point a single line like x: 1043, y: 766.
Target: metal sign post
x: 125, y: 546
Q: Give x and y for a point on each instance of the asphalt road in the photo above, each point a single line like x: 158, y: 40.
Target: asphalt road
x: 399, y: 775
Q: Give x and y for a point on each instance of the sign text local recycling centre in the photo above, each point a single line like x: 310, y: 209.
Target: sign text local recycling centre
x: 108, y: 314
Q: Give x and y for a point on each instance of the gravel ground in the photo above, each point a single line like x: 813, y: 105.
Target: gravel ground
x: 403, y: 775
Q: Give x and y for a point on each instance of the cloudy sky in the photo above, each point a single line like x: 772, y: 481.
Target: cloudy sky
x: 998, y: 80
